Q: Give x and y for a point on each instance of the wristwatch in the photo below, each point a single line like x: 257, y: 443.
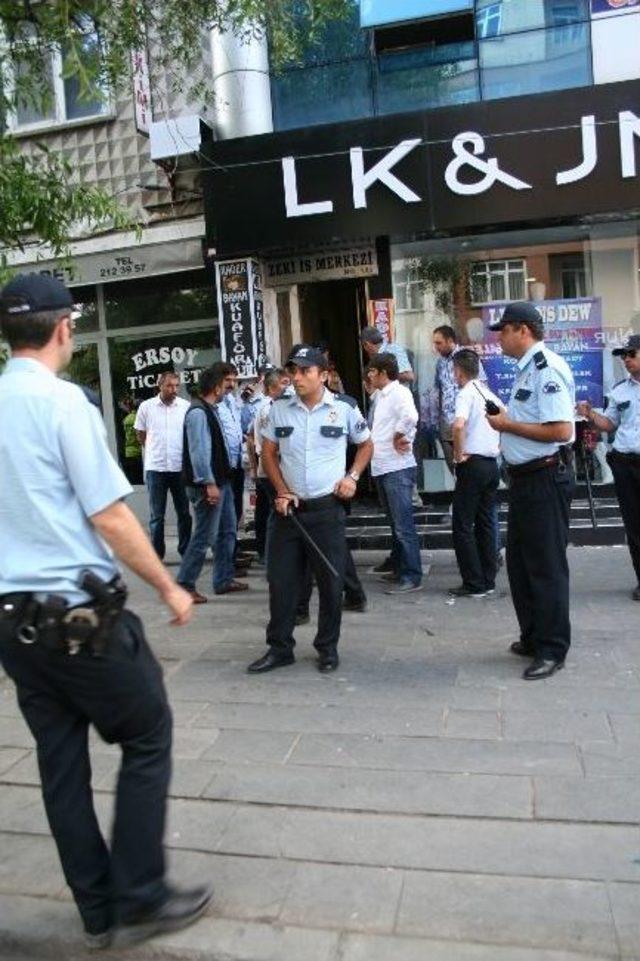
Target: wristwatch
x: 354, y: 475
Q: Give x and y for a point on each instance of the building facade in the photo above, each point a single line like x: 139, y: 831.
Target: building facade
x: 425, y: 162
x: 431, y: 161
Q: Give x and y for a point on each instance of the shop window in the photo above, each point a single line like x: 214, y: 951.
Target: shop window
x: 58, y: 100
x: 174, y: 298
x: 496, y: 280
x: 408, y: 290
x: 136, y: 361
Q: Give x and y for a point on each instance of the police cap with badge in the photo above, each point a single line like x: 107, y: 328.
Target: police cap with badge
x: 306, y: 356
x: 521, y: 312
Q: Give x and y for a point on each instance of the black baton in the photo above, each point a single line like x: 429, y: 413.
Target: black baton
x: 309, y: 539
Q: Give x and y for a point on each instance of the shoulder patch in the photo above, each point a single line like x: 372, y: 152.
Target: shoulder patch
x: 361, y: 425
x: 551, y: 387
x: 540, y: 360
x: 347, y: 399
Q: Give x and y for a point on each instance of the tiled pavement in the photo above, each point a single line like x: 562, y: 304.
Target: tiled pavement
x: 422, y: 803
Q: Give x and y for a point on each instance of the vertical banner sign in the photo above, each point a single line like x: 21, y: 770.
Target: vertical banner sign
x: 257, y: 309
x: 381, y: 317
x: 241, y: 313
x: 141, y: 89
x: 573, y: 328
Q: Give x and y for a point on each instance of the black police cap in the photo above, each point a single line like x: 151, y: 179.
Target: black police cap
x: 633, y: 343
x: 32, y: 293
x: 520, y: 312
x: 307, y: 356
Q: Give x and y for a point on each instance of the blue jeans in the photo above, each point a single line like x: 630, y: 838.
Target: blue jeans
x: 396, y: 494
x: 159, y: 483
x: 209, y: 520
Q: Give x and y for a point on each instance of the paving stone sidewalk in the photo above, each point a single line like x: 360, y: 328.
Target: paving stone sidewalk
x: 422, y: 803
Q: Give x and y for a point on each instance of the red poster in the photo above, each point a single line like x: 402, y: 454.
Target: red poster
x: 381, y: 316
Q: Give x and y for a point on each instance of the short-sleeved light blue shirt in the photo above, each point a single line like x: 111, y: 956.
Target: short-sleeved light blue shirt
x: 543, y: 392
x: 231, y: 423
x: 313, y: 443
x: 57, y: 471
x: 623, y: 410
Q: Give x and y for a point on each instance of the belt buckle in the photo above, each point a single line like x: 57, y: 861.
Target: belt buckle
x: 79, y: 615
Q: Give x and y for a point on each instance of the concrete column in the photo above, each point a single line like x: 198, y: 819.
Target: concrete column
x: 241, y: 85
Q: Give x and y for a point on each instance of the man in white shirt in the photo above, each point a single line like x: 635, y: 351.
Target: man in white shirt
x: 159, y: 426
x: 394, y: 468
x: 475, y: 451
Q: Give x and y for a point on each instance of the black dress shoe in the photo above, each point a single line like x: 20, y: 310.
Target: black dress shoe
x: 520, y: 648
x: 180, y: 910
x: 358, y: 604
x: 328, y: 662
x: 541, y: 668
x: 269, y: 662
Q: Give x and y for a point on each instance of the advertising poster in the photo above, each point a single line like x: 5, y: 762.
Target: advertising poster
x: 381, y: 317
x: 609, y: 7
x: 573, y: 328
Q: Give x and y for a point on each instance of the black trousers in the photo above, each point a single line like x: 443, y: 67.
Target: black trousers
x: 537, y: 566
x: 122, y: 695
x: 353, y: 589
x: 474, y: 535
x: 265, y: 493
x: 288, y: 556
x: 626, y: 476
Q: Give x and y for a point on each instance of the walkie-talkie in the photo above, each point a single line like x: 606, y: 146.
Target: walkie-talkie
x: 489, y: 406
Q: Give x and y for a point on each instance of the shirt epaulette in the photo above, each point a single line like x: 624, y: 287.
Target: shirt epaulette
x: 347, y: 399
x: 284, y: 397
x: 623, y: 381
x: 540, y: 360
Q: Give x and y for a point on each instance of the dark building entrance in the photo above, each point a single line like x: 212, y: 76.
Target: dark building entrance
x: 334, y: 312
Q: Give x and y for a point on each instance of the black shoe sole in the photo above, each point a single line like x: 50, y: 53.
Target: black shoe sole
x: 328, y: 668
x: 128, y: 935
x: 543, y: 677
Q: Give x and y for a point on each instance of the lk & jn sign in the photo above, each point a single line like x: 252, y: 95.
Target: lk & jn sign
x: 511, y: 160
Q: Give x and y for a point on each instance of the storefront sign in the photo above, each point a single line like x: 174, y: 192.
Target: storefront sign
x: 381, y: 317
x: 141, y: 90
x: 573, y: 328
x: 241, y: 314
x: 322, y: 265
x: 126, y: 264
x: 148, y: 364
x: 515, y: 160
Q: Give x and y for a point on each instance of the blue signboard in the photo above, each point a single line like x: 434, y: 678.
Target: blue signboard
x: 374, y: 13
x: 573, y: 328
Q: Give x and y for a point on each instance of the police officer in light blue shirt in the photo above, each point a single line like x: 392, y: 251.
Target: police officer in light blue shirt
x: 304, y: 447
x: 537, y: 424
x: 622, y: 415
x: 76, y: 655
